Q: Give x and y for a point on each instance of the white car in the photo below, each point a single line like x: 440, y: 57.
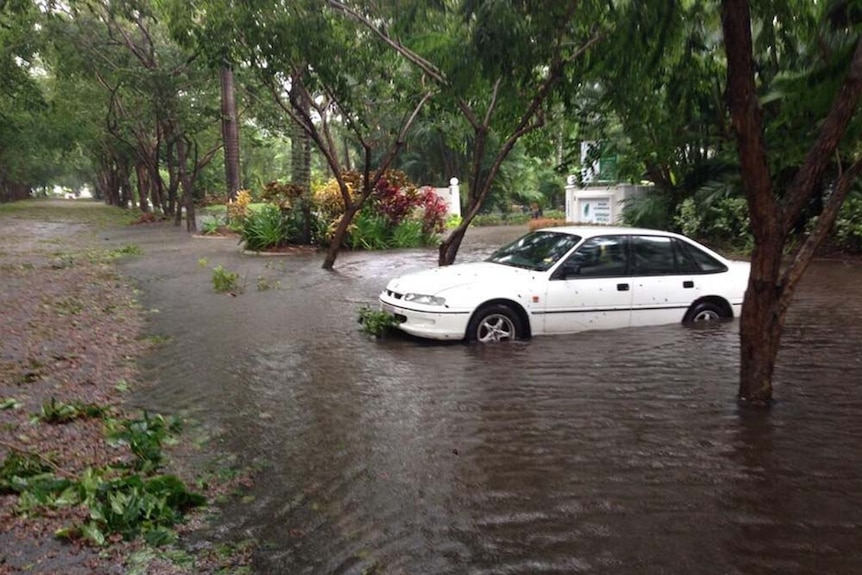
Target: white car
x: 570, y: 279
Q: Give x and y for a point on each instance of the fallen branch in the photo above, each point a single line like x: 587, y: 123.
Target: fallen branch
x: 60, y: 471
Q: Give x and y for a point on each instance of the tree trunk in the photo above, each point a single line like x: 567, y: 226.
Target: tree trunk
x: 230, y: 132
x: 338, y: 237
x: 768, y: 295
x: 761, y: 325
x: 762, y: 319
x: 300, y: 172
x: 125, y: 187
x: 186, y: 183
x: 143, y: 187
x: 450, y: 245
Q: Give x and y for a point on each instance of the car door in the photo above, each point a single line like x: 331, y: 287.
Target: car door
x: 664, y: 284
x: 591, y: 289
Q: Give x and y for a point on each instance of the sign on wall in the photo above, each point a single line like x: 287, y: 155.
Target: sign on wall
x: 595, y: 210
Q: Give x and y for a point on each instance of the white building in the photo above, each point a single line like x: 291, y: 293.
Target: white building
x: 597, y: 203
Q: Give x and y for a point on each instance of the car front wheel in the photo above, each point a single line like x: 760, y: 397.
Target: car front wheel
x: 705, y: 311
x: 493, y: 324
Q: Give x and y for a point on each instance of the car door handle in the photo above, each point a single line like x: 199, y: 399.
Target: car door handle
x: 688, y: 284
x: 622, y: 287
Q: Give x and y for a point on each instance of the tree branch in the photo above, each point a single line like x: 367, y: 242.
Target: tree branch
x: 410, y: 55
x: 825, y: 221
x: 50, y: 463
x: 844, y: 106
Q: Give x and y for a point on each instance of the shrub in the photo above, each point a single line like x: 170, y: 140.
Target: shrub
x: 238, y: 208
x: 266, y: 228
x: 225, y: 281
x: 408, y: 234
x: 382, y: 222
x: 847, y: 231
x: 434, y: 213
x: 211, y: 226
x: 515, y: 219
x: 368, y: 231
x: 724, y: 222
x: 547, y: 223
x: 284, y: 196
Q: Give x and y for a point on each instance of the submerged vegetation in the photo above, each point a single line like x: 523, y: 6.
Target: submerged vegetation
x: 375, y: 322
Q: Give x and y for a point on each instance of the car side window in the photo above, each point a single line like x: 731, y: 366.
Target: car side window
x: 602, y: 256
x: 694, y: 260
x: 653, y: 256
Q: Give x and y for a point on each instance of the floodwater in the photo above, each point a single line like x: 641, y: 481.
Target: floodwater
x: 620, y: 452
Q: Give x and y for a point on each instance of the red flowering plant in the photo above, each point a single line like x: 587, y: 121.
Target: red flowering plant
x: 435, y: 211
x: 394, y: 197
x: 397, y: 214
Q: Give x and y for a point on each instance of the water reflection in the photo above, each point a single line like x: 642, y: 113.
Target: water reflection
x: 605, y: 452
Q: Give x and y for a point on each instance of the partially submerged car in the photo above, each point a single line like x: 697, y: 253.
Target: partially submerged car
x: 570, y: 279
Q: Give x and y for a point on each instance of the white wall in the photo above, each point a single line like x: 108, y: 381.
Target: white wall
x: 601, y: 204
x: 452, y: 196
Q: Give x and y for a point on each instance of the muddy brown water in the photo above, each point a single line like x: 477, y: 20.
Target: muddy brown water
x: 605, y: 452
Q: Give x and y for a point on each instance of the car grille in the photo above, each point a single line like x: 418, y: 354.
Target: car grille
x: 394, y: 294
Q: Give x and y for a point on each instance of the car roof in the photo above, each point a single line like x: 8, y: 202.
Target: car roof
x: 592, y: 230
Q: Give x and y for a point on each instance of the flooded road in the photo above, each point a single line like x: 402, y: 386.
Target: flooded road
x: 605, y: 452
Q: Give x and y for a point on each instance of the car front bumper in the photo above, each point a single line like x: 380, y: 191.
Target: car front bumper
x: 441, y: 324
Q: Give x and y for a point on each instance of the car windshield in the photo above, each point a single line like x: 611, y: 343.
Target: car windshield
x: 535, y: 251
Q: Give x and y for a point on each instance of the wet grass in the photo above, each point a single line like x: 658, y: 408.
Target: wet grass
x: 78, y: 211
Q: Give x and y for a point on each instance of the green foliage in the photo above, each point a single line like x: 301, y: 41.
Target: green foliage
x: 375, y: 322
x: 144, y: 437
x: 225, y: 281
x: 724, y: 222
x: 210, y: 226
x: 127, y: 250
x: 499, y: 219
x: 132, y: 505
x: 119, y: 500
x: 273, y: 226
x: 18, y: 469
x: 9, y: 403
x: 264, y: 284
x: 847, y: 231
x: 652, y: 209
x: 396, y: 215
x: 60, y: 412
x: 369, y: 231
x: 265, y: 228
x: 408, y: 234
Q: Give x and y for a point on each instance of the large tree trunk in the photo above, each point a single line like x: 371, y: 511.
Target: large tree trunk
x: 769, y: 293
x: 762, y: 319
x: 230, y: 132
x: 300, y: 171
x: 761, y: 326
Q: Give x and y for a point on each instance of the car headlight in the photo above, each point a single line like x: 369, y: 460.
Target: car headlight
x: 424, y: 299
